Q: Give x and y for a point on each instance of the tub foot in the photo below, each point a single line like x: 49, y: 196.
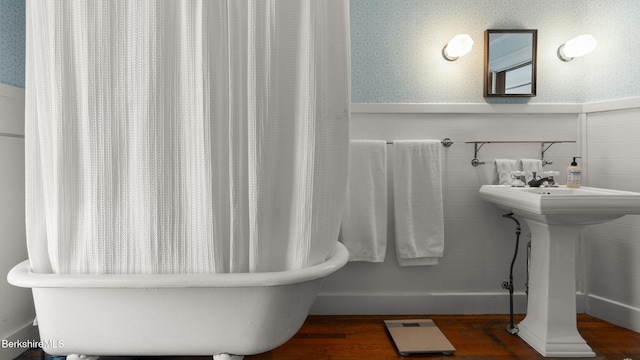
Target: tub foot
x: 81, y: 357
x: 227, y: 357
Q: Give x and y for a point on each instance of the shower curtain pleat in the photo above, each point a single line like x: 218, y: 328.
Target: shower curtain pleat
x: 185, y: 136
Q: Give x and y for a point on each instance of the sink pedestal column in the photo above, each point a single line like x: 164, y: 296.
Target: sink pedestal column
x: 550, y: 326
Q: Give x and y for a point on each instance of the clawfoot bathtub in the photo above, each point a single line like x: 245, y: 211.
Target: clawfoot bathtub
x: 221, y: 314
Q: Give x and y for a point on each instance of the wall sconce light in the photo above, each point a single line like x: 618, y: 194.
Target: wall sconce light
x: 458, y: 46
x: 578, y: 46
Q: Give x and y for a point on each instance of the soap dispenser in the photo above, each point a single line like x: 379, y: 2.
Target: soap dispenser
x: 574, y: 174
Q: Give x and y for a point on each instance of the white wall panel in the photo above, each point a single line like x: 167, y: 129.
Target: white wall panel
x: 479, y: 243
x: 16, y: 304
x: 613, y: 249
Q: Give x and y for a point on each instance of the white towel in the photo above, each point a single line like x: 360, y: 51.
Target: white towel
x: 504, y: 167
x: 419, y: 215
x: 529, y: 166
x: 364, y: 223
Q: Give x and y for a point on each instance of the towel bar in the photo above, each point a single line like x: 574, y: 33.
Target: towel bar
x: 446, y: 142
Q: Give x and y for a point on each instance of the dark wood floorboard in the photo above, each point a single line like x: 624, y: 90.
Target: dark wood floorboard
x: 473, y: 336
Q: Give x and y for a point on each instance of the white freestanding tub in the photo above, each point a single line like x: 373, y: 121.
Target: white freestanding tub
x: 240, y: 314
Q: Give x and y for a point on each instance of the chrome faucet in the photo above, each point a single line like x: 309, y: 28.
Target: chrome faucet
x: 539, y: 181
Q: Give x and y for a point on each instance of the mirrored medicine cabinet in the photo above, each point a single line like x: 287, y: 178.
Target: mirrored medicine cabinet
x: 510, y: 63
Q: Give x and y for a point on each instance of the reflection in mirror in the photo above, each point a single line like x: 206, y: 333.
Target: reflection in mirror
x: 510, y: 63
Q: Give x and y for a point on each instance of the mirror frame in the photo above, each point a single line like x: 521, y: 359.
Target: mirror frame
x: 487, y: 75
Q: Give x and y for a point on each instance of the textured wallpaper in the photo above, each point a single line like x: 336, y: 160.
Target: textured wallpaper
x: 12, y: 42
x: 396, y: 49
x: 614, y: 72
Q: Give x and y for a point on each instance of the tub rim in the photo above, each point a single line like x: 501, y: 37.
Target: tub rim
x: 22, y: 276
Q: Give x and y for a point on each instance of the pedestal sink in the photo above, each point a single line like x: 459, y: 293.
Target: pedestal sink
x: 555, y: 217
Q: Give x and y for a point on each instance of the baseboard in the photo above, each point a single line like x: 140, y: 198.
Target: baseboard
x: 614, y: 312
x: 416, y: 303
x: 12, y: 343
x: 424, y: 303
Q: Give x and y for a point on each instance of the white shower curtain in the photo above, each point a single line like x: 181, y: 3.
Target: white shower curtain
x: 185, y: 136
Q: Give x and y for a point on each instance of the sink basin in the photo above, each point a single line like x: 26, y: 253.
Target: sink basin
x: 555, y: 217
x: 562, y: 205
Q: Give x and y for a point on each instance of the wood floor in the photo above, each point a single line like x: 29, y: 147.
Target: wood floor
x: 473, y: 336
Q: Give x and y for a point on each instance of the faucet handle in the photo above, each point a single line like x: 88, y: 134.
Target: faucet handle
x: 550, y: 175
